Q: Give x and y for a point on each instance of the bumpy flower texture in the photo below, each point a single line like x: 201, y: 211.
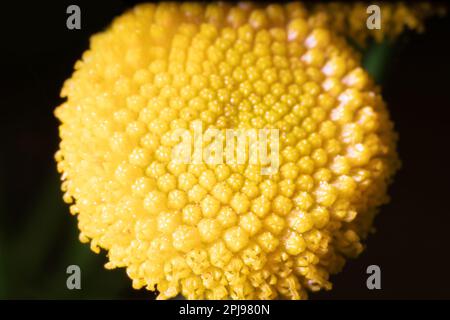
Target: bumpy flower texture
x: 224, y: 231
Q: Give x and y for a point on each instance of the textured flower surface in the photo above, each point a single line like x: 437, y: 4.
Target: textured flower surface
x: 224, y: 230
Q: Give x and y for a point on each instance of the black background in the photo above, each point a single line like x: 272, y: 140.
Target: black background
x: 412, y: 241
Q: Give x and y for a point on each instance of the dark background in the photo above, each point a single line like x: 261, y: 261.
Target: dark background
x: 38, y: 236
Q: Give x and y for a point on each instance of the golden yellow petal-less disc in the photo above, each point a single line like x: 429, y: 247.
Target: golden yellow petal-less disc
x: 213, y: 231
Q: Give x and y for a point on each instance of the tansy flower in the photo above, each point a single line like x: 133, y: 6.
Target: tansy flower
x: 218, y: 231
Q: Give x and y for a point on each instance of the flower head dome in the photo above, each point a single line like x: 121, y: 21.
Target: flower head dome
x: 223, y: 230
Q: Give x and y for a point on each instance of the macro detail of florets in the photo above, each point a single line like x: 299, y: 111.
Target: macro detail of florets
x: 220, y: 231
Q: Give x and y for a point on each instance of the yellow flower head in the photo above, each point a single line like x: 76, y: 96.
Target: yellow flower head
x: 223, y: 230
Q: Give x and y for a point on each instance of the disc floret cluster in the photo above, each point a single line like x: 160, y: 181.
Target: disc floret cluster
x: 217, y: 231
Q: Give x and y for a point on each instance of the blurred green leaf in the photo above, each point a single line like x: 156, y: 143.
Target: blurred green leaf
x: 31, y: 245
x: 376, y: 59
